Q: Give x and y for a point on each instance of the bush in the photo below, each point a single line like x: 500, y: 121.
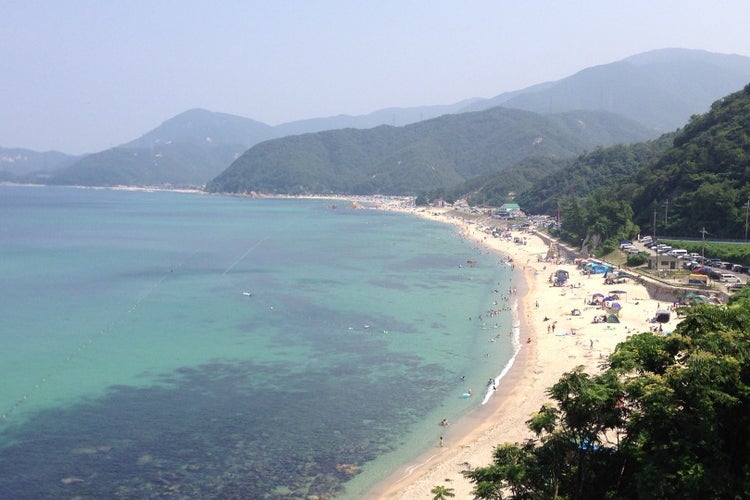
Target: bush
x: 636, y: 259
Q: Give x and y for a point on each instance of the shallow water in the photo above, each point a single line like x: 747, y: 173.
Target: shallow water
x: 176, y: 344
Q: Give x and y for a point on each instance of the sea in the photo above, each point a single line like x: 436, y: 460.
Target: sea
x: 159, y: 344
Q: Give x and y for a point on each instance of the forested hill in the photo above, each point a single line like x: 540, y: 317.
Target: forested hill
x: 591, y: 171
x: 538, y: 184
x: 434, y: 153
x: 703, y: 181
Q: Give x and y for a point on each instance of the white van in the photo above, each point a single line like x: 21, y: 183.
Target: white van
x: 728, y: 278
x: 678, y: 252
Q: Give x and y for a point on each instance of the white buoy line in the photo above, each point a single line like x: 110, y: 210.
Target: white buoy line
x: 7, y: 413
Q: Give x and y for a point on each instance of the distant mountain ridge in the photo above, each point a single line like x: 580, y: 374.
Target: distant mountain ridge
x: 19, y: 163
x: 659, y: 89
x: 199, y: 125
x: 185, y: 150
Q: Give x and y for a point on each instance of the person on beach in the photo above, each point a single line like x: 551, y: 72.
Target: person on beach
x: 441, y: 441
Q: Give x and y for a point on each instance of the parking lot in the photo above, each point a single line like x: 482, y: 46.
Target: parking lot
x: 731, y: 274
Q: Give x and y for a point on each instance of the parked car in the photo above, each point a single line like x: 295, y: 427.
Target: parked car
x: 728, y: 278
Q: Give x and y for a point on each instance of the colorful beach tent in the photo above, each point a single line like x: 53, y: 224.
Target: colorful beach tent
x: 597, y: 267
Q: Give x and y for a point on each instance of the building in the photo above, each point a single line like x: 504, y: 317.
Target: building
x: 508, y: 211
x: 665, y: 262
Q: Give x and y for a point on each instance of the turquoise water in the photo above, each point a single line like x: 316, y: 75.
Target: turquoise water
x: 159, y: 343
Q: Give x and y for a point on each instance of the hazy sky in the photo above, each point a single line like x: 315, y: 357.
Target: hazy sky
x: 81, y: 76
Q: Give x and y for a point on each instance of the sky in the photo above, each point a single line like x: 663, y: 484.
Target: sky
x: 81, y: 76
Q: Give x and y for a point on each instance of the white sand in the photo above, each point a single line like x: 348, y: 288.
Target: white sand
x: 471, y: 441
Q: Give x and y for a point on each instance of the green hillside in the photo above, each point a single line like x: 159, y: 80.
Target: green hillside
x: 701, y: 182
x: 591, y: 171
x: 431, y: 154
x: 704, y: 179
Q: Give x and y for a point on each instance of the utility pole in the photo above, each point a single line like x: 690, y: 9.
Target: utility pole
x: 653, y: 238
x: 666, y: 211
x: 703, y: 245
x: 747, y: 212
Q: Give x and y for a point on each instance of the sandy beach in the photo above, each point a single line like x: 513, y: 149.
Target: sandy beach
x: 554, y: 341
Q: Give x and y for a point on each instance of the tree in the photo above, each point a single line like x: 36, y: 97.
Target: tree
x: 669, y: 417
x: 441, y: 492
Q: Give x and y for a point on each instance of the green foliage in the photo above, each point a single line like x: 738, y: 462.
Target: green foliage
x: 590, y: 171
x: 597, y: 221
x: 433, y: 154
x: 705, y: 175
x: 496, y: 189
x: 637, y: 259
x: 442, y: 493
x: 669, y: 417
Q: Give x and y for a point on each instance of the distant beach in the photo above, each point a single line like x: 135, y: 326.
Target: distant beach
x: 558, y: 332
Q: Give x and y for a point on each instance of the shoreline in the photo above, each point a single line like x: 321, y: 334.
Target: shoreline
x: 472, y: 438
x: 558, y: 342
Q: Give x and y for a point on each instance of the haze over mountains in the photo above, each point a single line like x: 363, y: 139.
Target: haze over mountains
x: 651, y: 93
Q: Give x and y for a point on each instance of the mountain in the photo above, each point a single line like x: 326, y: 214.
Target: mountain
x: 591, y: 171
x: 186, y: 150
x: 20, y: 164
x: 703, y: 180
x: 660, y: 89
x: 433, y: 153
x: 200, y: 126
x: 395, y: 117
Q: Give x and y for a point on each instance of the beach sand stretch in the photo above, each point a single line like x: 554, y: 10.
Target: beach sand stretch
x: 553, y: 341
